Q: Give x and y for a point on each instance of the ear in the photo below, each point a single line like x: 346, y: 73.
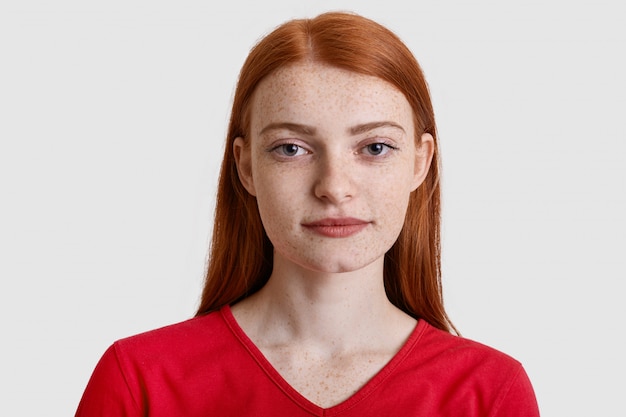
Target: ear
x: 243, y: 160
x: 423, y: 158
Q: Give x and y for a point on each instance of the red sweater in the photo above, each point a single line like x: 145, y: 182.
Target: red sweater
x: 207, y: 366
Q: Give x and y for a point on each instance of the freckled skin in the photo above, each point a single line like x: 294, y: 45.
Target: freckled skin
x: 334, y: 178
x: 328, y: 143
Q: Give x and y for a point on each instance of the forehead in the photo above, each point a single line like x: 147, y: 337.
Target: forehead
x: 315, y: 93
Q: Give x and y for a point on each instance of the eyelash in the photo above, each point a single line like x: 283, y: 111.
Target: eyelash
x: 281, y: 148
x: 386, y: 147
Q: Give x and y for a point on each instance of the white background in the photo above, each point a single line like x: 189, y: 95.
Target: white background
x: 112, y: 120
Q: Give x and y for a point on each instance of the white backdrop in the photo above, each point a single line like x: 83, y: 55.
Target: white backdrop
x: 112, y: 119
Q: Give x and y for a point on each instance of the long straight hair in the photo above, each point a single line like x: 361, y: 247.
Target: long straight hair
x: 241, y: 255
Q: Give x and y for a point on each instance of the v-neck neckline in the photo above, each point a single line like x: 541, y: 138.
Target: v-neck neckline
x: 369, y: 387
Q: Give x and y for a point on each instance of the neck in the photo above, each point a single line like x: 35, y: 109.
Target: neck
x: 342, y: 310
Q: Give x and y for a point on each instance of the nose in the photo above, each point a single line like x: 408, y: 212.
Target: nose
x: 334, y: 181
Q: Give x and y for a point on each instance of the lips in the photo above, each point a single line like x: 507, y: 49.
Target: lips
x: 337, y: 227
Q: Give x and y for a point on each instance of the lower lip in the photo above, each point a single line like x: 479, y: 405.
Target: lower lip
x: 337, y: 230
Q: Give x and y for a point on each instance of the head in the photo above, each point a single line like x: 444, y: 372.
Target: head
x: 240, y: 260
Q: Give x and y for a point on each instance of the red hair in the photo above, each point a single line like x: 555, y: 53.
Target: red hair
x: 240, y: 259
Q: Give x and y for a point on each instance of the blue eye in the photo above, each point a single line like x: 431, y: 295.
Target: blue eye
x: 289, y: 149
x: 377, y: 148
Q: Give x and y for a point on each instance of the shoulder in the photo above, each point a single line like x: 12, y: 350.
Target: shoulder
x: 468, y: 375
x: 197, y: 333
x: 181, y: 367
x: 184, y: 351
x: 458, y: 349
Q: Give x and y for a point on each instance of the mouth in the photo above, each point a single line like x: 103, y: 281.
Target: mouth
x: 337, y: 227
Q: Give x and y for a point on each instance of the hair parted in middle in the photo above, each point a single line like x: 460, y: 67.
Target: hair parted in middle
x: 241, y: 255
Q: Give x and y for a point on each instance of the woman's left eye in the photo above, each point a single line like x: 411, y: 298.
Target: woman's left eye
x: 377, y: 148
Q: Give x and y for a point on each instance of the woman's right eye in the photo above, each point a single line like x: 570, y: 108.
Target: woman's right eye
x: 290, y: 149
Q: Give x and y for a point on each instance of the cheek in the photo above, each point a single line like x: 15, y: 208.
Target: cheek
x: 395, y: 185
x: 395, y: 206
x: 275, y: 201
x: 394, y: 198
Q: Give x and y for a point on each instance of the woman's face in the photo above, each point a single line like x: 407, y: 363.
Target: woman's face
x: 332, y: 160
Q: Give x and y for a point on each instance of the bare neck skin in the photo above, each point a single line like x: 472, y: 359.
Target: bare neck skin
x: 332, y: 311
x: 327, y: 334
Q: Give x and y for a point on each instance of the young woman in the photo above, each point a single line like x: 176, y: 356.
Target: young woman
x: 323, y: 291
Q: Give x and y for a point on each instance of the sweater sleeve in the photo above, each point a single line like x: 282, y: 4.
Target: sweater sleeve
x: 108, y: 392
x: 519, y: 400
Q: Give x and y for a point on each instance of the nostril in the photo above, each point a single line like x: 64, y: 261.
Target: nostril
x: 335, y: 188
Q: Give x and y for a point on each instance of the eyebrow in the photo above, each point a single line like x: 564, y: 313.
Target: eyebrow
x: 366, y: 127
x: 294, y: 127
x: 310, y: 130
